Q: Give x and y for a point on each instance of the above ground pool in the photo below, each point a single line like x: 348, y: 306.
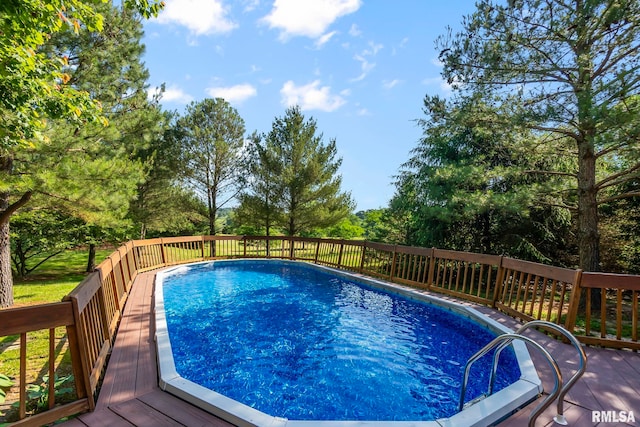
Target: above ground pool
x: 280, y: 343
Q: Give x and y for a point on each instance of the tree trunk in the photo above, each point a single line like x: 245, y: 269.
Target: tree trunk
x: 91, y: 261
x: 213, y: 211
x: 268, y: 231
x: 588, y: 236
x: 6, y: 278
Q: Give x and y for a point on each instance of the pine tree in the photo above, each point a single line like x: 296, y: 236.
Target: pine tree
x: 259, y: 200
x: 574, y: 67
x: 81, y: 160
x: 466, y: 186
x: 308, y: 182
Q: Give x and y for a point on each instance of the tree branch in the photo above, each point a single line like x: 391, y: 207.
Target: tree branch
x: 620, y: 196
x: 29, y: 270
x: 613, y: 179
x: 12, y: 208
x: 572, y: 175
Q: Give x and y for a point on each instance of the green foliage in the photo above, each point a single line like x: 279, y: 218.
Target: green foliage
x: 163, y: 205
x: 380, y: 225
x: 37, y: 236
x: 211, y: 138
x: 5, y: 383
x: 347, y: 228
x: 33, y: 85
x: 468, y: 186
x: 55, y: 140
x: 258, y: 208
x: 38, y: 394
x: 571, y: 74
x: 296, y: 183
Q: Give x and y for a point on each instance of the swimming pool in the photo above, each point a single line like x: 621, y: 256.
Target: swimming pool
x: 265, y: 342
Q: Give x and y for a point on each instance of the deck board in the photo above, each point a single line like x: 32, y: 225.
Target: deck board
x: 147, y: 373
x: 119, y: 382
x: 181, y: 411
x: 130, y: 396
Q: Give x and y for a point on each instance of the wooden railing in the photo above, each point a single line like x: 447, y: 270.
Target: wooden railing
x: 47, y: 318
x: 92, y: 311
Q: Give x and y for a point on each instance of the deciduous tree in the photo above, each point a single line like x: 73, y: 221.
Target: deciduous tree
x: 211, y: 136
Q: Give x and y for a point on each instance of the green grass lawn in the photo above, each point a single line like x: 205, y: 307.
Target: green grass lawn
x: 55, y: 278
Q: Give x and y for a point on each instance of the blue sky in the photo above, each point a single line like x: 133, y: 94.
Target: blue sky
x: 360, y: 68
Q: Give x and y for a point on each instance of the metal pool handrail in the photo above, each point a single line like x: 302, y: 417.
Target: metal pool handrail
x: 507, y: 339
x: 559, y: 418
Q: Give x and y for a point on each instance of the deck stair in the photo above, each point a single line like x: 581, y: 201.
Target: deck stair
x: 560, y: 389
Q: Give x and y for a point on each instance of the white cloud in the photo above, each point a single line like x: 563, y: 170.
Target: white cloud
x: 173, y: 94
x: 354, y: 31
x: 310, y: 96
x: 325, y: 38
x: 199, y: 16
x: 363, y: 112
x: 374, y: 49
x: 365, y: 65
x: 402, y: 44
x: 233, y: 94
x: 250, y: 5
x: 391, y: 84
x: 308, y: 18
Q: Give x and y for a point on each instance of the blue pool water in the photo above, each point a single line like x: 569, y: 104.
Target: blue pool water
x: 299, y: 343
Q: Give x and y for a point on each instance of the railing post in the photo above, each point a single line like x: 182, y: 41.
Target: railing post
x: 291, y: 248
x: 393, y: 262
x: 244, y: 245
x: 79, y: 335
x: 364, y: 252
x: 162, y: 251
x: 497, y: 290
x: 574, y: 302
x: 432, y: 268
x: 114, y: 286
x: 136, y: 257
x: 340, y: 253
x: 202, y: 247
x: 318, y: 242
x: 78, y: 364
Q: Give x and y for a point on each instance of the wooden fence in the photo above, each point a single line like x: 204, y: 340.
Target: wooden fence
x: 599, y: 308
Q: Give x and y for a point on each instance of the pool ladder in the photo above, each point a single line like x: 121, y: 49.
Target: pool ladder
x: 559, y: 390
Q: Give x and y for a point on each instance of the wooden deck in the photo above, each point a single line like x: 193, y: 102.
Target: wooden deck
x: 130, y: 396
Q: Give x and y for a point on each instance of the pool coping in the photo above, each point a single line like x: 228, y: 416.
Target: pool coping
x: 487, y: 411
